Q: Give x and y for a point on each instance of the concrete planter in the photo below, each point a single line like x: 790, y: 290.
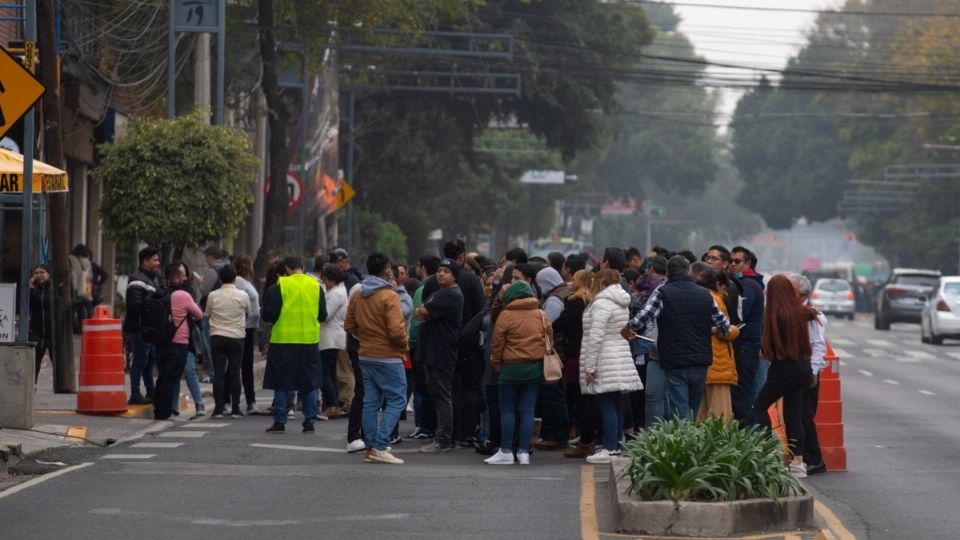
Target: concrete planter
x: 633, y: 514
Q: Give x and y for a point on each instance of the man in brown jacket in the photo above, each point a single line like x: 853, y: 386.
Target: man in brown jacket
x: 375, y: 317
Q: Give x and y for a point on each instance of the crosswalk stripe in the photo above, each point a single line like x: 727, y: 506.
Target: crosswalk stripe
x: 299, y: 448
x: 920, y: 354
x: 927, y: 392
x: 204, y: 425
x: 877, y: 353
x: 954, y: 355
x: 841, y: 341
x: 128, y: 456
x: 184, y: 434
x: 866, y: 373
x: 880, y: 342
x: 907, y: 359
x: 893, y: 383
x: 157, y: 445
x: 842, y: 353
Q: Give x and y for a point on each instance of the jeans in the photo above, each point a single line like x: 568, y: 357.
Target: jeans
x: 309, y: 407
x: 611, y: 414
x: 328, y: 389
x: 811, y: 440
x: 491, y: 394
x: 745, y: 392
x: 468, y: 401
x: 553, y: 410
x: 440, y: 384
x: 685, y: 390
x: 193, y: 381
x: 144, y: 357
x: 787, y: 379
x: 246, y: 368
x: 655, y: 389
x: 227, y: 355
x: 763, y: 368
x: 517, y: 404
x: 384, y: 384
x: 170, y: 362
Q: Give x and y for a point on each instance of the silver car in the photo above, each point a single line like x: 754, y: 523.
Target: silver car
x: 941, y: 312
x: 833, y: 297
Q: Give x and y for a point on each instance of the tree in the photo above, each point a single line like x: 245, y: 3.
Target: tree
x: 176, y: 183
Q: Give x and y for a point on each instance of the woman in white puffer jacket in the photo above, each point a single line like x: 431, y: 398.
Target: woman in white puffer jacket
x: 606, y: 365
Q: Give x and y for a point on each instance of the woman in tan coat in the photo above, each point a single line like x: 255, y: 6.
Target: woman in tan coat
x: 722, y: 374
x: 519, y: 342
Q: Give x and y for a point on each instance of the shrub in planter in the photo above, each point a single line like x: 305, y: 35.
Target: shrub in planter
x: 680, y: 460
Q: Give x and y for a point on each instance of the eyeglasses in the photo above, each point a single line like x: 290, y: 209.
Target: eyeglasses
x: 736, y: 261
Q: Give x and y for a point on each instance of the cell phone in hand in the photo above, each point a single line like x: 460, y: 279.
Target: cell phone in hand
x: 645, y: 338
x: 741, y: 325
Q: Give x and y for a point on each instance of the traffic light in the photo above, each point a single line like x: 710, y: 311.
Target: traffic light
x: 657, y: 211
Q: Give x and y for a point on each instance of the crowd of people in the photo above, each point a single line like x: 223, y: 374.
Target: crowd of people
x: 460, y: 343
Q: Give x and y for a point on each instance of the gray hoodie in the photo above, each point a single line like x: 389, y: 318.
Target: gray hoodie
x: 549, y: 279
x: 372, y: 284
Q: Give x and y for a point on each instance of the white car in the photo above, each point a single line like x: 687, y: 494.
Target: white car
x: 833, y: 297
x: 941, y: 313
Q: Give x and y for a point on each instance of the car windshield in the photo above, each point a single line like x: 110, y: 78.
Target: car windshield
x: 952, y: 288
x: 833, y: 285
x: 921, y: 281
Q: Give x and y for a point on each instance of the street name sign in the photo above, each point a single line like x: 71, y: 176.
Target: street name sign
x: 19, y: 91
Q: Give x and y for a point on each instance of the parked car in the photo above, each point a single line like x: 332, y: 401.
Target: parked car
x: 834, y: 297
x: 941, y: 314
x: 902, y: 297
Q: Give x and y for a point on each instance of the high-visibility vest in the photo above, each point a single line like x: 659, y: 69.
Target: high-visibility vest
x: 298, y: 322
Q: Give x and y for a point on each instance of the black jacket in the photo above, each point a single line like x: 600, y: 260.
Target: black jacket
x: 141, y: 284
x: 41, y: 313
x: 684, y: 325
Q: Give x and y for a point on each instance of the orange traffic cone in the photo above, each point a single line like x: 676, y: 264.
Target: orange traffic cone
x: 101, y: 365
x: 829, y: 417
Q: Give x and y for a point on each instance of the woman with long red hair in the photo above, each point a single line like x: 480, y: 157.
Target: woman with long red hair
x: 786, y: 344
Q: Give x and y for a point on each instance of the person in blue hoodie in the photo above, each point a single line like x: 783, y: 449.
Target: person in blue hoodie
x: 751, y: 371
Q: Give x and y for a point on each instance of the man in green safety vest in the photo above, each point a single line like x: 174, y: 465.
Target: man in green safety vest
x: 296, y: 307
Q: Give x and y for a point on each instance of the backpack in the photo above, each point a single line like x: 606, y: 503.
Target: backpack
x: 156, y: 318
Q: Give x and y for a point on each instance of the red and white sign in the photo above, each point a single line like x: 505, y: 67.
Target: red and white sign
x: 294, y: 189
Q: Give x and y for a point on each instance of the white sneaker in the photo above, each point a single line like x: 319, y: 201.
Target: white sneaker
x: 382, y: 456
x: 523, y: 458
x: 501, y: 458
x: 798, y: 469
x: 602, y: 456
x: 356, y: 446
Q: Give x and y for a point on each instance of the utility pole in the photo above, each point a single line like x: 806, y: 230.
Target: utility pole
x: 64, y: 379
x: 201, y: 72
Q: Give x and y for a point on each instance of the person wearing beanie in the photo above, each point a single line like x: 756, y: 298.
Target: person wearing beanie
x: 440, y: 316
x: 519, y: 343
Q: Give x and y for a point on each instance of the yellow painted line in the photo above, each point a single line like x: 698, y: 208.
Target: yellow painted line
x: 76, y: 432
x: 832, y: 521
x: 56, y: 411
x: 825, y: 534
x: 792, y: 537
x: 589, y: 529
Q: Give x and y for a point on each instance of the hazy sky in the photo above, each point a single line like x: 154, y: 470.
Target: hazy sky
x: 747, y: 37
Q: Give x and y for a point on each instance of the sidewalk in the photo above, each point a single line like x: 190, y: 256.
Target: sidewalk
x: 57, y: 424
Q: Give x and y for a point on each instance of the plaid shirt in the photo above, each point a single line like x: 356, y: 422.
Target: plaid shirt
x: 654, y: 306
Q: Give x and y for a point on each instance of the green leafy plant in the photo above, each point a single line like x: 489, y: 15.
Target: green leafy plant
x: 680, y: 460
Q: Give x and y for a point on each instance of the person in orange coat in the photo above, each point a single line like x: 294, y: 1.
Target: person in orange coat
x: 722, y: 374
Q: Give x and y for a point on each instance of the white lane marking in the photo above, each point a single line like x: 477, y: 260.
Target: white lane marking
x: 184, y: 434
x: 920, y: 354
x: 907, y: 360
x: 204, y: 425
x: 842, y: 353
x: 157, y: 445
x: 880, y: 342
x: 877, y: 353
x: 41, y: 479
x: 841, y: 341
x: 841, y: 362
x: 128, y: 456
x: 927, y: 392
x: 894, y: 383
x: 298, y: 448
x: 866, y: 373
x: 954, y: 355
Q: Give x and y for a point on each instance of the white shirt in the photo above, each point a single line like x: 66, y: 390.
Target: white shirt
x: 332, y: 335
x: 228, y: 307
x: 817, y: 329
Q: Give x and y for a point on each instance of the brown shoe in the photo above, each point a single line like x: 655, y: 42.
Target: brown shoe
x: 545, y: 444
x: 331, y: 412
x: 580, y: 451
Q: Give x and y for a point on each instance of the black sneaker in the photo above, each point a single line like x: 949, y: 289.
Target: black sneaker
x: 423, y: 435
x: 139, y: 400
x: 308, y: 428
x: 217, y: 413
x: 816, y: 469
x: 236, y: 413
x: 396, y: 440
x: 276, y: 428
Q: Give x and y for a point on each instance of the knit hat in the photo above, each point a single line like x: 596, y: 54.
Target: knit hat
x: 518, y: 289
x: 451, y: 265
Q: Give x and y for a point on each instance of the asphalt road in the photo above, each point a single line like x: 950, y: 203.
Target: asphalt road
x: 224, y: 479
x: 901, y: 409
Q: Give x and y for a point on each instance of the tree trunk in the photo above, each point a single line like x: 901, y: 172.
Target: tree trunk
x: 64, y: 377
x: 275, y: 205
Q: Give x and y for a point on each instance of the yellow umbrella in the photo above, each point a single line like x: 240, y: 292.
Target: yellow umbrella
x: 45, y: 177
